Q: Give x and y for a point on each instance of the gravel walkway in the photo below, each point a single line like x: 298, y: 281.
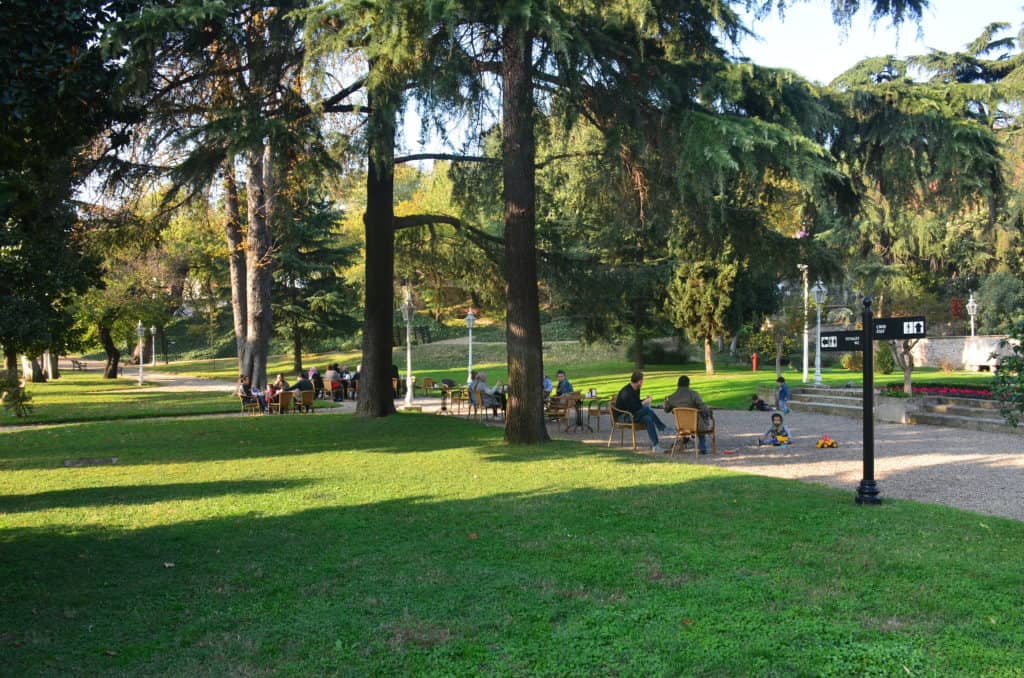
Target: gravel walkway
x: 972, y: 470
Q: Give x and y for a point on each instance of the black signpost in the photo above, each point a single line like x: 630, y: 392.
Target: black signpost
x: 867, y: 491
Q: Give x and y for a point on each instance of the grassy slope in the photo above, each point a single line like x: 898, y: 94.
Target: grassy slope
x: 417, y: 544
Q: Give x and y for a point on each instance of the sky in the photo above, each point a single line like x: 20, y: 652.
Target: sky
x: 807, y: 41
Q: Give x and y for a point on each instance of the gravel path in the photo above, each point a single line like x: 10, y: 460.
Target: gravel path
x: 972, y: 470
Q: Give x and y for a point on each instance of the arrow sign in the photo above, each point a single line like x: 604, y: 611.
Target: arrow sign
x: 841, y: 341
x: 911, y: 327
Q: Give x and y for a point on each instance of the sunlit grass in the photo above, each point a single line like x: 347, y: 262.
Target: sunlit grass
x: 423, y: 545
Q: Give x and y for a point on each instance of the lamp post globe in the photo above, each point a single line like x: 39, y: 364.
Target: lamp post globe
x: 972, y: 310
x: 140, y: 331
x: 470, y: 321
x: 819, y: 291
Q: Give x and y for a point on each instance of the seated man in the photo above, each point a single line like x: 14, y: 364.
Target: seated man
x: 564, y: 387
x: 303, y: 384
x: 488, y: 396
x: 629, y: 400
x: 684, y: 396
x: 250, y: 395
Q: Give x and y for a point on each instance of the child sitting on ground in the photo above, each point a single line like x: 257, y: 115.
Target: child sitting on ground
x: 777, y: 434
x: 757, y: 404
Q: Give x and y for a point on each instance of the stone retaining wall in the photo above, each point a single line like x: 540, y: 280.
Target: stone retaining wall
x: 960, y: 353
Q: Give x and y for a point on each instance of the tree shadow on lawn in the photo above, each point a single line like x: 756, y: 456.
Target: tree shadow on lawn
x: 117, y: 495
x: 184, y: 441
x: 640, y: 580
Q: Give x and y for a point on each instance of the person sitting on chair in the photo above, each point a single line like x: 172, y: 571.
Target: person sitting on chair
x: 564, y: 387
x: 488, y: 396
x: 248, y: 395
x: 629, y: 400
x: 303, y: 384
x: 274, y: 390
x: 684, y: 396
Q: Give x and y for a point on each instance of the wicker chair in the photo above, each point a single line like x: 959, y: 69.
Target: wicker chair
x: 621, y: 422
x: 282, y: 404
x: 686, y: 428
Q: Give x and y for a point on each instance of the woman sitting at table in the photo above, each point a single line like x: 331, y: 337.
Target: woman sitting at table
x: 274, y: 390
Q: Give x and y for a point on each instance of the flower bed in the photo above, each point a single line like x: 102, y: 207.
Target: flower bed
x: 896, y: 391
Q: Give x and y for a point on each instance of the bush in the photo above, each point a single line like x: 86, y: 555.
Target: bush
x: 852, y: 361
x: 1009, y: 381
x: 885, y: 362
x: 657, y: 354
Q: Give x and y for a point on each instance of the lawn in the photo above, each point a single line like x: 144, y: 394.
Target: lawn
x: 423, y: 545
x: 79, y: 396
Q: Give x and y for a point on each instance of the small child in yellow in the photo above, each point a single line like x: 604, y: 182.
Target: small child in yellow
x: 777, y: 434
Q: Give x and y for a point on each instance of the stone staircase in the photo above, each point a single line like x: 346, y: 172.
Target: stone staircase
x: 846, y: 402
x: 968, y: 413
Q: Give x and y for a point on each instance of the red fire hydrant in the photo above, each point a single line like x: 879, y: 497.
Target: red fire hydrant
x: 753, y: 361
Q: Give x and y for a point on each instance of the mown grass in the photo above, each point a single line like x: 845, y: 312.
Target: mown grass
x: 78, y: 396
x: 423, y: 545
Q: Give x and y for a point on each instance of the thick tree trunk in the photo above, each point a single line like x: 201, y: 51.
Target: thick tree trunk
x: 259, y: 268
x: 525, y: 420
x: 376, y: 397
x: 236, y: 261
x: 709, y: 356
x: 50, y: 365
x: 113, y: 355
x: 32, y: 369
x: 733, y: 344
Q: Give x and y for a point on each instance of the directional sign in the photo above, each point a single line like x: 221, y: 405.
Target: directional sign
x: 911, y: 327
x: 841, y: 341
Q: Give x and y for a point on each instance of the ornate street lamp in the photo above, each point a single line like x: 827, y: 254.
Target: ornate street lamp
x: 803, y: 270
x: 140, y: 330
x: 470, y: 321
x: 972, y: 310
x: 819, y: 292
x: 407, y: 315
x: 152, y: 331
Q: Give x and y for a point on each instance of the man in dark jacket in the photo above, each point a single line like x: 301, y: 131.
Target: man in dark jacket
x: 629, y: 400
x: 684, y: 396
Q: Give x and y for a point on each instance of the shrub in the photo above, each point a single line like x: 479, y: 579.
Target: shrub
x: 852, y: 361
x: 885, y: 362
x: 657, y: 354
x: 1008, y: 385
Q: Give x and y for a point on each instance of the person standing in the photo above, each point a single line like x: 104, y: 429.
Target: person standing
x: 782, y: 397
x: 684, y: 396
x: 629, y: 400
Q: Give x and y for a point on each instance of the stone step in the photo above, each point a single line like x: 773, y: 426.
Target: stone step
x: 827, y: 402
x: 973, y: 423
x: 817, y: 391
x: 856, y: 411
x: 958, y: 411
x: 974, y: 403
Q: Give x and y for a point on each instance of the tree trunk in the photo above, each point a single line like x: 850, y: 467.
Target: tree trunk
x: 779, y: 344
x: 376, y: 397
x: 734, y: 344
x: 525, y: 421
x: 296, y: 350
x: 113, y: 355
x: 236, y: 261
x: 11, y: 366
x: 51, y: 366
x: 638, y: 335
x: 259, y: 268
x: 709, y: 356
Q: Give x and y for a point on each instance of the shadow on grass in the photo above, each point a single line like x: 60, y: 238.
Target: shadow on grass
x: 116, y: 495
x: 667, y: 579
x: 182, y: 441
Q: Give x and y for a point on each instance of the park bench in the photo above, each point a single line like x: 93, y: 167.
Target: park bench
x: 79, y: 365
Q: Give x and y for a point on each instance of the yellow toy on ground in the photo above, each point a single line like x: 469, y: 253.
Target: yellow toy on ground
x: 826, y: 442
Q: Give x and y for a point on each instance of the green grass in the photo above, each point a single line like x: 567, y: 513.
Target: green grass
x: 423, y: 545
x: 78, y: 396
